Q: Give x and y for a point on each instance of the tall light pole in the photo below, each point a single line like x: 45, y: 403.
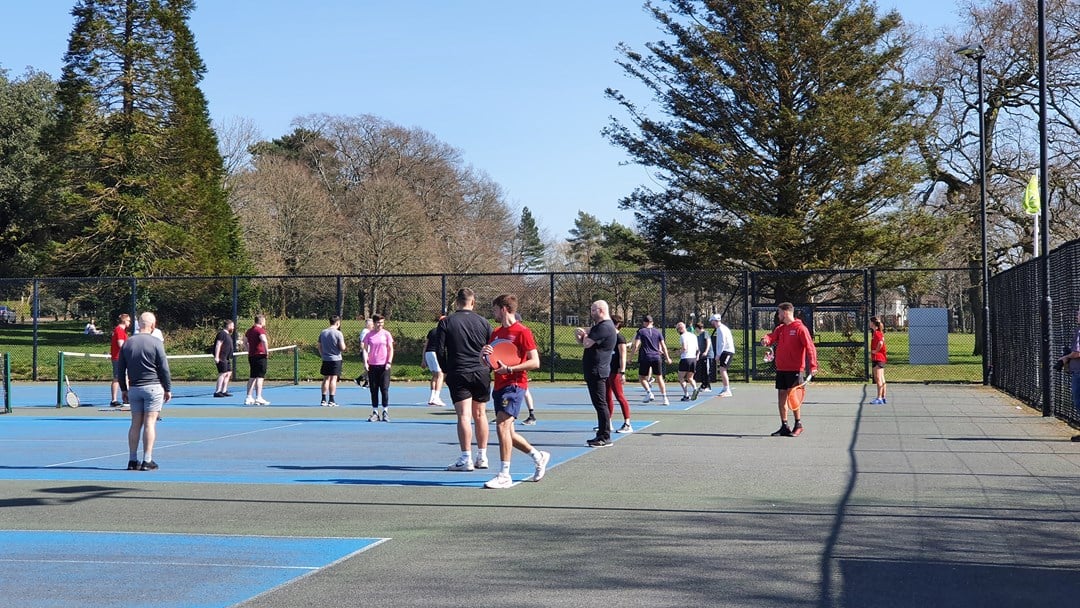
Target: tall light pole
x: 976, y: 53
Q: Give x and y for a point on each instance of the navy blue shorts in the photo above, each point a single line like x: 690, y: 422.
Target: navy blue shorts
x: 509, y: 399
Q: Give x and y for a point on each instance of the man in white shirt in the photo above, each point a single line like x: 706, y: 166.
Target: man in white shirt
x: 725, y: 351
x: 688, y: 352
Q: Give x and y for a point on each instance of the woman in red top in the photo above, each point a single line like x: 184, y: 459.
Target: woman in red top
x: 878, y: 358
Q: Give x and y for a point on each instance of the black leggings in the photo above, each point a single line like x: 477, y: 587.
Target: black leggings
x: 379, y: 382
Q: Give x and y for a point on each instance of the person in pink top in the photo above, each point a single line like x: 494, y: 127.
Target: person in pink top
x: 794, y: 348
x: 378, y: 356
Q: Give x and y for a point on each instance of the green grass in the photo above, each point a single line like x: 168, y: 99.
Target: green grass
x: 409, y: 339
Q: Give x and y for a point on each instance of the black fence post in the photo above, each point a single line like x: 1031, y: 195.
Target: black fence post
x: 551, y: 322
x: 747, y: 324
x: 35, y: 312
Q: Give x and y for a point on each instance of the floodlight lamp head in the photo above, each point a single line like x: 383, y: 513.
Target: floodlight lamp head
x: 972, y: 51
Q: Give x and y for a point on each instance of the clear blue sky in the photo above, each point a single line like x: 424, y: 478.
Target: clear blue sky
x: 516, y: 86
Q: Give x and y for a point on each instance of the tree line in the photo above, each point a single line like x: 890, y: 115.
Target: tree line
x: 805, y: 134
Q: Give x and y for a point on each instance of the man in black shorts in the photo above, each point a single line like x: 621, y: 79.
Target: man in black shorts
x: 223, y: 355
x: 457, y: 343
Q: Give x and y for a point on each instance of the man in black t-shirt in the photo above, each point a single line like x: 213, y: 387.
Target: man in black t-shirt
x: 457, y: 342
x: 223, y: 358
x: 599, y: 342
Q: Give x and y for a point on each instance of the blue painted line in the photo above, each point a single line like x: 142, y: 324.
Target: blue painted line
x: 272, y: 451
x: 166, y: 570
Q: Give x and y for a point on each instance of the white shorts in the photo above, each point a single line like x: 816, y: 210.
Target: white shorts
x: 432, y: 362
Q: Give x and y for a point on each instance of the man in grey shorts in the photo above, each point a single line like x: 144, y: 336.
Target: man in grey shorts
x: 143, y: 365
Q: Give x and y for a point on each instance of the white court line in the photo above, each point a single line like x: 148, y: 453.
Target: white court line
x: 153, y: 563
x: 181, y: 443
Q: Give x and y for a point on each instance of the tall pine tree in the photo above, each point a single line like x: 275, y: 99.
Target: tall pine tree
x: 140, y: 176
x: 527, y: 249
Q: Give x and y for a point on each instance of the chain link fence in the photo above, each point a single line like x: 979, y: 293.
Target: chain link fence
x: 51, y: 313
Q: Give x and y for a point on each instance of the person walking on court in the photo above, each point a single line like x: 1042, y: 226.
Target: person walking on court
x: 144, y: 365
x: 794, y: 350
x: 688, y: 355
x: 369, y: 326
x: 703, y: 370
x: 649, y: 345
x: 724, y: 346
x: 430, y: 362
x: 258, y: 350
x: 1072, y: 360
x: 511, y: 383
x: 116, y: 342
x: 616, y: 377
x: 459, y: 342
x: 379, y: 356
x: 878, y: 358
x: 331, y: 345
x: 223, y: 358
x: 599, y: 342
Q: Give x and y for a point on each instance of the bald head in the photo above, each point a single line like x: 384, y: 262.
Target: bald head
x: 147, y: 322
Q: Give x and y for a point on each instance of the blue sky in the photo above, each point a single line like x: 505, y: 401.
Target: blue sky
x: 516, y: 86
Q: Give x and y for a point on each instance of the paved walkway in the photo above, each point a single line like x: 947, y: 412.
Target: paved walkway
x: 947, y: 496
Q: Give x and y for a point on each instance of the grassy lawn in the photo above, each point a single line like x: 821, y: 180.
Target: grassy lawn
x: 409, y: 339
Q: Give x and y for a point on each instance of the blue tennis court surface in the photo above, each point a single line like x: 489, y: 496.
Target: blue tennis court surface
x: 274, y: 451
x: 107, y: 569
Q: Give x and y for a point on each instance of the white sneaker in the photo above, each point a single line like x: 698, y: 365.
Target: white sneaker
x: 706, y: 390
x: 374, y: 417
x: 625, y: 428
x: 261, y: 401
x: 322, y: 403
x: 481, y: 462
x: 499, y: 482
x: 437, y: 402
x: 726, y: 393
x: 648, y: 398
x: 462, y: 464
x: 249, y: 401
x: 666, y: 402
x: 541, y: 466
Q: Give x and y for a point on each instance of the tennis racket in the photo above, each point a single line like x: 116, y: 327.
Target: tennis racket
x: 503, y: 352
x: 796, y: 395
x: 70, y: 397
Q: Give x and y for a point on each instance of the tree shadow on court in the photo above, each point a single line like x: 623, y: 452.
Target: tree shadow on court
x: 62, y: 495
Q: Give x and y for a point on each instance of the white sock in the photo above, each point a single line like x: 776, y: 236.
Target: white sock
x: 481, y: 453
x: 535, y: 453
x: 505, y: 469
x: 466, y: 455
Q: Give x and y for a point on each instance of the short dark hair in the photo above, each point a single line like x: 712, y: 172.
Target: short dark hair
x: 507, y: 301
x: 785, y: 306
x: 377, y: 318
x: 464, y: 296
x: 646, y: 319
x: 617, y: 320
x: 334, y: 319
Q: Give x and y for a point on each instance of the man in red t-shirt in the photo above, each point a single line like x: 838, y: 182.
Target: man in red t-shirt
x: 119, y: 336
x: 795, y: 350
x: 511, y: 382
x: 258, y: 349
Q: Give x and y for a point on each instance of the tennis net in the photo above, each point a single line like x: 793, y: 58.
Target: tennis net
x: 90, y: 374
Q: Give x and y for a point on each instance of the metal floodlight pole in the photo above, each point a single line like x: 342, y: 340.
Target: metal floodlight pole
x: 1046, y: 309
x: 976, y: 53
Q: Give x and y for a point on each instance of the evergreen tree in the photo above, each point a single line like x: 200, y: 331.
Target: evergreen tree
x: 586, y: 240
x: 784, y: 141
x: 528, y: 249
x: 139, y: 173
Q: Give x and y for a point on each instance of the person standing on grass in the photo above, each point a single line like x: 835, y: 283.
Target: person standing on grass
x: 616, y: 377
x: 258, y: 350
x: 599, y: 342
x: 331, y: 345
x: 1073, y: 361
x: 878, y: 358
x: 142, y: 362
x: 794, y: 350
x: 430, y: 362
x: 688, y: 355
x: 119, y: 336
x: 724, y: 346
x: 649, y: 346
x: 459, y: 343
x: 511, y: 384
x: 378, y: 357
x: 223, y: 358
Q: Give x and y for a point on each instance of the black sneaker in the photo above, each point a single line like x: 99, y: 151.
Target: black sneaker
x: 530, y: 420
x: 115, y: 404
x: 226, y: 394
x: 133, y: 465
x: 148, y: 465
x: 1076, y: 438
x: 783, y: 431
x: 598, y: 443
x: 219, y: 395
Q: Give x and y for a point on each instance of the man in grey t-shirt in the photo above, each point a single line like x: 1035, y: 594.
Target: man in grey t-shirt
x: 143, y: 366
x: 331, y: 345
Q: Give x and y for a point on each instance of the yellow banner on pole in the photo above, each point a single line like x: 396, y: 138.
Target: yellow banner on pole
x: 1031, y: 196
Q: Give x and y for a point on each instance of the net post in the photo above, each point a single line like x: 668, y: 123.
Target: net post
x: 296, y: 365
x: 59, y: 379
x: 7, y: 383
